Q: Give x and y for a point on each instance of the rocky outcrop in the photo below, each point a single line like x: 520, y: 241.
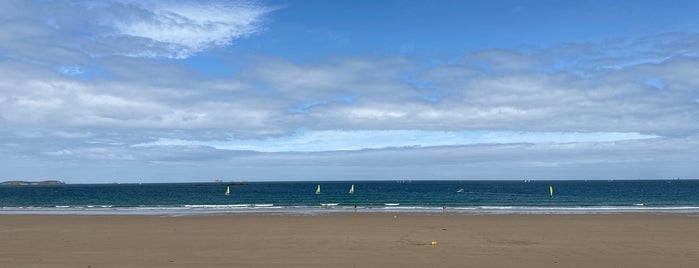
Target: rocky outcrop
x: 48, y: 182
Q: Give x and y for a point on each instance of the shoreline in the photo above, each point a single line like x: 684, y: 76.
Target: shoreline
x: 324, y: 209
x: 350, y: 240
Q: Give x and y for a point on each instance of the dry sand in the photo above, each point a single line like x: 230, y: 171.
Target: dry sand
x: 350, y: 240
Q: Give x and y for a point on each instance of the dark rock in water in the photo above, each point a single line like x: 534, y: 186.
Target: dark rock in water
x: 48, y: 182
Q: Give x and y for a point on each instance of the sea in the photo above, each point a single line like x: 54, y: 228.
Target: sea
x: 465, y: 197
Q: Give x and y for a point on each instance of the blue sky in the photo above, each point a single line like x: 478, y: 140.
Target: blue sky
x: 167, y: 91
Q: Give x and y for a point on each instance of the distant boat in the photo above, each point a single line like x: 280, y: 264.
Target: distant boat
x: 550, y: 191
x: 351, y: 191
x: 460, y: 190
x: 228, y: 190
x: 318, y: 189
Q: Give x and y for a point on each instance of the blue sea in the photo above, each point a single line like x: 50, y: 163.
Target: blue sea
x: 468, y: 197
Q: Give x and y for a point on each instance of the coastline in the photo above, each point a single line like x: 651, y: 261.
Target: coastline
x: 190, y: 210
x: 351, y: 240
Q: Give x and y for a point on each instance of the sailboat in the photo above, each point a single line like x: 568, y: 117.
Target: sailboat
x: 228, y: 190
x: 351, y: 191
x: 318, y: 189
x: 550, y: 191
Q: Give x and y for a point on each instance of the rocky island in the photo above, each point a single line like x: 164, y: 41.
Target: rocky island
x: 48, y: 182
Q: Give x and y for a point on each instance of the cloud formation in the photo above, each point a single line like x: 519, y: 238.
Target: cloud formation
x: 276, y: 97
x: 77, y: 32
x: 94, y: 82
x: 333, y: 140
x: 666, y: 158
x: 180, y: 29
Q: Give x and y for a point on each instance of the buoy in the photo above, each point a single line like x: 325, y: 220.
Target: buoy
x: 434, y: 243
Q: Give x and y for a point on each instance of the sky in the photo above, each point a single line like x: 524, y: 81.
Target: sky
x: 182, y: 91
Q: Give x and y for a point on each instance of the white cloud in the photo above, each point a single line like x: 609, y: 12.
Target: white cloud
x: 181, y: 29
x: 72, y: 70
x: 319, y: 141
x: 77, y: 32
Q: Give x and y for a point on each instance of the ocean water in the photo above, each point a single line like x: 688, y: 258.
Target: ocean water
x: 471, y: 197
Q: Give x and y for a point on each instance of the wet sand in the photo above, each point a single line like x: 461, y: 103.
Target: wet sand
x: 350, y: 240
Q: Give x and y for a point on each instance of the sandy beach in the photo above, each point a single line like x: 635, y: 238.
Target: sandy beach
x: 350, y: 240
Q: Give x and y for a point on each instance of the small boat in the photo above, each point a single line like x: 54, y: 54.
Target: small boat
x: 460, y: 190
x: 318, y: 189
x: 550, y: 191
x: 228, y: 190
x: 351, y: 191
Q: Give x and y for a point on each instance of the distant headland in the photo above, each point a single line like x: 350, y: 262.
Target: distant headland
x: 48, y: 182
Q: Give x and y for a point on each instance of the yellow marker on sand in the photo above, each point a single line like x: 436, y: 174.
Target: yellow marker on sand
x: 434, y: 243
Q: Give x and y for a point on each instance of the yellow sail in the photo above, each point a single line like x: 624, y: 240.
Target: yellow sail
x: 228, y: 190
x: 550, y: 191
x: 351, y: 189
x: 318, y: 189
